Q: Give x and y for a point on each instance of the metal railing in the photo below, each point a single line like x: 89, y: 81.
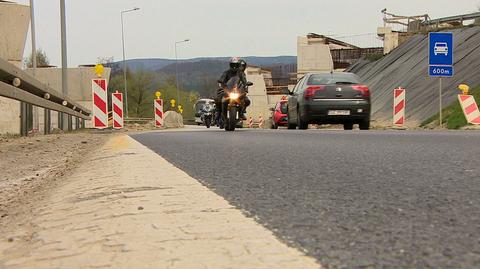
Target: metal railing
x: 18, y: 85
x: 459, y: 18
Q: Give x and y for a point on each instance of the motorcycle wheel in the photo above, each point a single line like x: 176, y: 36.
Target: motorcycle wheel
x: 208, y: 122
x: 232, y: 119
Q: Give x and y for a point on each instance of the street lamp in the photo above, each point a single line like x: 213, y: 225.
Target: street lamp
x: 176, y: 66
x: 124, y: 62
x: 63, y: 31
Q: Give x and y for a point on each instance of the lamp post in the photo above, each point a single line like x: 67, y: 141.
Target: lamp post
x: 176, y: 66
x: 124, y: 62
x: 63, y: 32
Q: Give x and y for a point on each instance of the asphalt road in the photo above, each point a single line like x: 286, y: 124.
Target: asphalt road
x: 376, y: 199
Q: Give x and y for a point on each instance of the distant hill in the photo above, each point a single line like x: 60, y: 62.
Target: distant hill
x: 200, y: 74
x: 156, y: 64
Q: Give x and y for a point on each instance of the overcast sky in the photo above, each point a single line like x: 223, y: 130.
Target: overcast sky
x: 216, y: 27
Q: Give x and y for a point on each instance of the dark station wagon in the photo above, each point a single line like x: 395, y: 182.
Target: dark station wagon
x: 329, y: 98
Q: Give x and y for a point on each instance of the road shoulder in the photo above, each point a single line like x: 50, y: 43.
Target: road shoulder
x: 127, y: 207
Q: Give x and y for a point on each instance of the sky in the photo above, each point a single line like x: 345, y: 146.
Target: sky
x: 215, y: 27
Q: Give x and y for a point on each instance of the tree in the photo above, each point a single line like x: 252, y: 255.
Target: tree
x: 105, y: 60
x: 140, y: 89
x: 142, y: 86
x: 42, y: 59
x: 110, y: 63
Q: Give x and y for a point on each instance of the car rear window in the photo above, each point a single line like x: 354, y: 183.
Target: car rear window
x: 336, y: 78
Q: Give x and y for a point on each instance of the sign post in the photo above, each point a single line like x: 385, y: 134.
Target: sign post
x: 440, y: 60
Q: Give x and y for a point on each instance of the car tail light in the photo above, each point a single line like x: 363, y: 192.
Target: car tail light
x: 310, y: 91
x: 363, y: 89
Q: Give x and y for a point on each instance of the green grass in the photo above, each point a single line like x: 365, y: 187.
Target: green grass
x: 453, y: 117
x: 374, y: 57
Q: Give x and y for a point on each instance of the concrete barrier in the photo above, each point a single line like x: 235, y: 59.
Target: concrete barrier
x: 14, y: 24
x: 173, y: 119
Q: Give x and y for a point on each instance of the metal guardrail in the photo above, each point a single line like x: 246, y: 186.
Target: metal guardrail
x: 129, y: 120
x: 460, y: 18
x: 18, y: 85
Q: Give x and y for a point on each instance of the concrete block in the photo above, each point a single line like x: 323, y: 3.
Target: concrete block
x: 173, y: 119
x: 79, y: 85
x: 14, y: 24
x: 10, y: 116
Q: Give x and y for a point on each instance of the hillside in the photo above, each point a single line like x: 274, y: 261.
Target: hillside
x: 156, y: 64
x: 200, y: 74
x: 406, y: 67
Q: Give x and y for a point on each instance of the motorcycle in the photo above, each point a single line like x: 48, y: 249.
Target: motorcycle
x: 234, y: 93
x: 218, y: 121
x: 207, y: 115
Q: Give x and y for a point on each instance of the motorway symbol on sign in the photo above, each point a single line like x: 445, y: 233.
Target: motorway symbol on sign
x: 440, y: 55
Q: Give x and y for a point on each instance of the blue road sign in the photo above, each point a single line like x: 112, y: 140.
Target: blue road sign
x: 440, y: 55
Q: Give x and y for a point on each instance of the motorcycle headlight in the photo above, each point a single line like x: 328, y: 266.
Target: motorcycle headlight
x: 234, y: 95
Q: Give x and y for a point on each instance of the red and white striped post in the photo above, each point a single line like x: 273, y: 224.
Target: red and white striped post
x: 100, y: 101
x: 250, y: 122
x: 117, y: 109
x: 158, y: 104
x: 399, y: 103
x: 260, y: 122
x: 470, y: 108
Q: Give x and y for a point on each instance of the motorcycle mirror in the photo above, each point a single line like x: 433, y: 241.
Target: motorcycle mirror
x: 272, y: 109
x: 249, y: 83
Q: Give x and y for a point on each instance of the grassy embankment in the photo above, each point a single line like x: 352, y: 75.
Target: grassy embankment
x: 453, y: 117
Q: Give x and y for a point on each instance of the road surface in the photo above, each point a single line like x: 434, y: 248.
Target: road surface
x: 376, y: 199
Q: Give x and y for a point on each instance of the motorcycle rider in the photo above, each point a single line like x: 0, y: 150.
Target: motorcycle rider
x: 237, y: 68
x: 246, y: 100
x: 207, y: 108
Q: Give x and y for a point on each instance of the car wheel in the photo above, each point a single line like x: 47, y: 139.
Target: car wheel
x: 348, y: 126
x: 291, y: 126
x: 302, y: 125
x: 364, y: 125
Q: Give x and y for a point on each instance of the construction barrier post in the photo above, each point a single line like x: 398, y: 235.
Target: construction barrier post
x: 117, y: 110
x: 158, y: 104
x: 399, y: 103
x: 261, y: 122
x: 470, y: 108
x: 100, y: 101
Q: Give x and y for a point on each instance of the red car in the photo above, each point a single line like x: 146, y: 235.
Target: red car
x: 279, y: 116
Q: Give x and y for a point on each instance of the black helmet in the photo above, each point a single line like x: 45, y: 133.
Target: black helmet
x: 234, y: 63
x: 243, y: 65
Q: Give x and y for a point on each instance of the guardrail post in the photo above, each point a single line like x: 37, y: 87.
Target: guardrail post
x: 70, y: 123
x: 46, y: 121
x: 60, y: 121
x: 23, y: 119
